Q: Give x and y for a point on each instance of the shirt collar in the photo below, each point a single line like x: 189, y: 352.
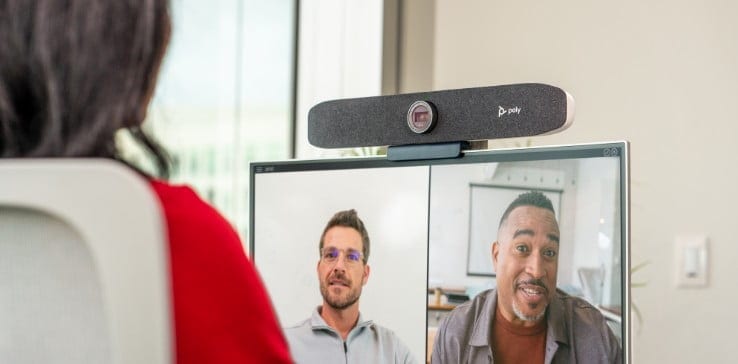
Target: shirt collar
x: 480, y: 331
x: 317, y: 322
x: 556, y: 322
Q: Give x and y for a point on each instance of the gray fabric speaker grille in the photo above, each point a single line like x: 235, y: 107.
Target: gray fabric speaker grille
x: 463, y: 115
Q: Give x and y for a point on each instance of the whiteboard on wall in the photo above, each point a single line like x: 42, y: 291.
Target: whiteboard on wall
x: 487, y: 203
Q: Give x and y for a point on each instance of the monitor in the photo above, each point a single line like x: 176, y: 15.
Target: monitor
x: 432, y: 223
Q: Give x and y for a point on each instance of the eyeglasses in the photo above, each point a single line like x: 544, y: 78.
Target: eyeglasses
x: 331, y: 254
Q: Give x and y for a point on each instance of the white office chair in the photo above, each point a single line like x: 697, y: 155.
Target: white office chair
x: 83, y: 265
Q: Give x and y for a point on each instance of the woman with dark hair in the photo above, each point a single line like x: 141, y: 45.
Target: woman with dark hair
x: 72, y: 74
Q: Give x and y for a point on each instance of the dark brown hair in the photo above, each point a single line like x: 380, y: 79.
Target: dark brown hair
x: 74, y: 72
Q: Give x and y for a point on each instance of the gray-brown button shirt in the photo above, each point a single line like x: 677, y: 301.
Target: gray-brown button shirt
x: 577, y: 333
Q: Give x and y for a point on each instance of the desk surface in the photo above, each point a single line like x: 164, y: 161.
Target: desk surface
x: 441, y: 307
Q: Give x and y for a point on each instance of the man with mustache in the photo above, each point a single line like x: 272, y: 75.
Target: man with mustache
x: 526, y: 319
x: 337, y: 332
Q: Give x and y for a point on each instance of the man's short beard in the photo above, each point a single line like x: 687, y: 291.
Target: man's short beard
x: 520, y: 315
x: 341, y: 304
x: 338, y: 303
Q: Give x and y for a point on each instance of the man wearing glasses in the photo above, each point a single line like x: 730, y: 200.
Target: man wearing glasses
x: 336, y: 332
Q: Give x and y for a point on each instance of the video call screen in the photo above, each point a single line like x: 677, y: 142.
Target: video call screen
x: 432, y: 223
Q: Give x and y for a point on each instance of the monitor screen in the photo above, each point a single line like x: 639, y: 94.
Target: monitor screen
x: 431, y: 225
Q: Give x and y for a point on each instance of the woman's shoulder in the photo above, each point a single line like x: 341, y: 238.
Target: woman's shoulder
x: 188, y: 214
x: 173, y: 194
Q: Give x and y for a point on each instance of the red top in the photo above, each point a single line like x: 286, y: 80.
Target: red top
x: 517, y: 344
x: 222, y: 313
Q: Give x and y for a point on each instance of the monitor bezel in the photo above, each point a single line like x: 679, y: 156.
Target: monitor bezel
x: 620, y: 149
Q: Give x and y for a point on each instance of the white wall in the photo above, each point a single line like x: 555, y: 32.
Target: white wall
x: 449, y: 225
x: 662, y: 74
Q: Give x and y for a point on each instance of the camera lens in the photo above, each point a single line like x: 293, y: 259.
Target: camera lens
x: 421, y: 117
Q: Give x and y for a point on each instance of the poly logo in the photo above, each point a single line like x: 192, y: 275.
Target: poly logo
x: 502, y: 111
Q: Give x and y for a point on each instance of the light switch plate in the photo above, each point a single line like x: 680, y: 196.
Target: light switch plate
x: 691, y: 260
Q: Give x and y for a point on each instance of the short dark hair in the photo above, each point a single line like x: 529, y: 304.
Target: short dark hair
x: 74, y: 72
x: 350, y: 219
x: 530, y: 198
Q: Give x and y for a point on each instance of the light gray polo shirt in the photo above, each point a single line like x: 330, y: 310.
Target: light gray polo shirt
x: 313, y: 341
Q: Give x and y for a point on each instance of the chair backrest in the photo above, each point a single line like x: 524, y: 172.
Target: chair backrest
x: 83, y: 264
